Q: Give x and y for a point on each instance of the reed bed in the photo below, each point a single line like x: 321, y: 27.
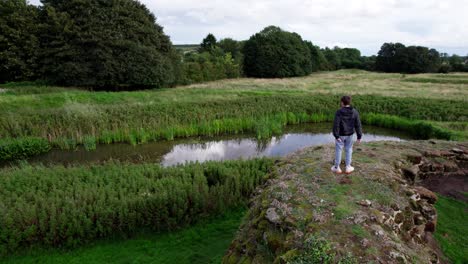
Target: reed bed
x: 59, y: 206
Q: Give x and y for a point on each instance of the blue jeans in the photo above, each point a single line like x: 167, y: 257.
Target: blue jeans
x: 347, y: 143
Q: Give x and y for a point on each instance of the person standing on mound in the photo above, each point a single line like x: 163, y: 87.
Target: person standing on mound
x: 346, y: 123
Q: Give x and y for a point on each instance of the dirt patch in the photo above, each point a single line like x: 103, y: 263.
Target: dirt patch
x: 452, y: 186
x: 443, y: 171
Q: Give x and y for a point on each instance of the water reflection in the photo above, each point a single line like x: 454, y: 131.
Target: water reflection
x: 249, y: 148
x: 217, y: 148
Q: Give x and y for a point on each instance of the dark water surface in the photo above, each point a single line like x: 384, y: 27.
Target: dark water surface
x: 212, y: 148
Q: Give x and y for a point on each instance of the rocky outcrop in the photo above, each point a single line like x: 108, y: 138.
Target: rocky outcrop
x: 379, y: 214
x: 443, y: 171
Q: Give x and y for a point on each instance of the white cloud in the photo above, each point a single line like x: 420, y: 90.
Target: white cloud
x: 364, y: 24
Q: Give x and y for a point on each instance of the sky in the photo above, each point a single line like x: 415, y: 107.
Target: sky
x: 361, y: 24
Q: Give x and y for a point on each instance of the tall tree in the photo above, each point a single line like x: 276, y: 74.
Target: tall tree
x: 319, y: 62
x: 274, y: 53
x: 333, y: 59
x: 208, y: 43
x: 113, y: 44
x: 18, y: 41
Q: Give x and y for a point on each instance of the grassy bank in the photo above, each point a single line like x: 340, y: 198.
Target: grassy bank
x: 263, y: 127
x: 61, y: 206
x: 68, y: 117
x: 451, y: 231
x: 205, y: 242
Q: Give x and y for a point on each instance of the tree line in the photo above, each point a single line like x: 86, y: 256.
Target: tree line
x: 118, y: 45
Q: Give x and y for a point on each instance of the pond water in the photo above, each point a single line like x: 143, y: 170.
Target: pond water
x: 202, y: 149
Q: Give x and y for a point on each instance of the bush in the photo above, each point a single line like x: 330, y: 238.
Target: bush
x: 274, y: 53
x: 61, y: 206
x: 209, y: 66
x: 14, y: 149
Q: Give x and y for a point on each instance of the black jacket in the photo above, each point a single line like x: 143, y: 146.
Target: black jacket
x: 347, y: 122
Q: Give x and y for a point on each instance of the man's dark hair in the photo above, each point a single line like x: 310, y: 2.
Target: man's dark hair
x: 346, y: 100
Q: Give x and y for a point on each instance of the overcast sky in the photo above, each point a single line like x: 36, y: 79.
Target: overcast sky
x: 362, y: 24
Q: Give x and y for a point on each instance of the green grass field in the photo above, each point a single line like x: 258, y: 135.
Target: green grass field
x: 204, y: 243
x: 452, y: 229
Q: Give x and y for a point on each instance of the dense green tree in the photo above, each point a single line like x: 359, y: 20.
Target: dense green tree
x: 319, y: 62
x: 333, y: 59
x: 18, y: 40
x: 229, y: 45
x: 412, y: 59
x: 350, y: 58
x: 208, y: 43
x: 274, y: 53
x: 457, y: 64
x: 105, y: 44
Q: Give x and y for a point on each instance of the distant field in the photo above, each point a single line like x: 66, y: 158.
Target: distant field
x: 187, y: 47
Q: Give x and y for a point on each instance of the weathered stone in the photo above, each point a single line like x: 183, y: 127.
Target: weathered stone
x: 430, y: 226
x: 272, y: 216
x: 395, y: 207
x: 450, y: 166
x: 432, y: 153
x: 457, y: 150
x: 437, y: 167
x: 398, y: 257
x: 428, y: 211
x: 411, y: 173
x: 426, y: 194
x: 365, y: 243
x: 360, y: 218
x: 425, y: 167
x: 446, y: 153
x: 415, y: 158
x: 365, y: 203
x: 419, y: 219
x: 399, y: 218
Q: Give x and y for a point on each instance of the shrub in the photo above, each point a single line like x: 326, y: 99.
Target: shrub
x: 21, y: 148
x: 70, y: 206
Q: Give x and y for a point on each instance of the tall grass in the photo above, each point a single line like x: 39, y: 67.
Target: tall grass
x: 263, y: 128
x: 61, y: 206
x: 21, y: 148
x: 417, y: 128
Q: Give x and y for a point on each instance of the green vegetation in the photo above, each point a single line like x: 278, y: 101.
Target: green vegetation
x: 61, y: 206
x: 452, y: 229
x: 451, y: 80
x: 21, y: 148
x: 318, y: 251
x: 205, y: 242
x: 396, y: 57
x: 275, y: 53
x: 70, y: 117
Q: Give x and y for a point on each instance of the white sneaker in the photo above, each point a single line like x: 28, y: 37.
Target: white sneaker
x: 336, y: 170
x: 349, y: 169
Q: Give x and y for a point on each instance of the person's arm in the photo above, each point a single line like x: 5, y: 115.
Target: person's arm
x: 336, y: 125
x: 358, y: 125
